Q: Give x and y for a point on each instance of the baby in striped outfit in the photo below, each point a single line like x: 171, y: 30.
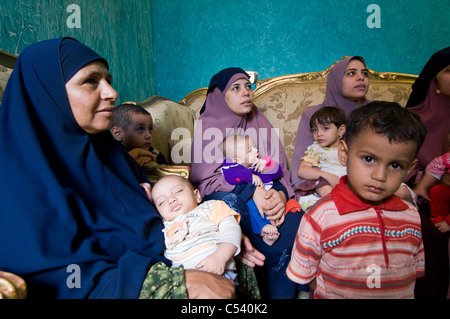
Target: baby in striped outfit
x: 202, y: 236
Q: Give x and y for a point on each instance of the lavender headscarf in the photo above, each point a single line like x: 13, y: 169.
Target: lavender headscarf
x: 333, y: 97
x: 216, y: 122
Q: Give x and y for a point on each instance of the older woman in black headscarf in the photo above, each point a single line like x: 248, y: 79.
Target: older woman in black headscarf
x: 75, y: 219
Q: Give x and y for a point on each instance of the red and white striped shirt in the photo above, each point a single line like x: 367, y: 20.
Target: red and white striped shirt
x: 357, y: 250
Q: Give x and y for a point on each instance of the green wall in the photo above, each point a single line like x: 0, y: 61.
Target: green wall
x: 119, y: 30
x: 195, y: 39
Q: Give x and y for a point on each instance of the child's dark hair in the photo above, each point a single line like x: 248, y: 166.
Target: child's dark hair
x: 398, y: 124
x: 327, y: 115
x: 122, y: 114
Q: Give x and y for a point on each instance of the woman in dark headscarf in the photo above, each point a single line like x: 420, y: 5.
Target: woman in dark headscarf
x: 229, y: 108
x: 347, y: 86
x: 75, y: 221
x: 430, y: 98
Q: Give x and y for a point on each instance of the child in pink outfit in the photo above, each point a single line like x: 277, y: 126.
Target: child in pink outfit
x: 434, y: 187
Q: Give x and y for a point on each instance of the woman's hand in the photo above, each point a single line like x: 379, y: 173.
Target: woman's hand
x: 249, y: 255
x: 272, y: 203
x: 204, y: 285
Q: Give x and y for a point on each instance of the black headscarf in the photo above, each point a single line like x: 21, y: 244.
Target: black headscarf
x: 435, y: 64
x: 433, y: 108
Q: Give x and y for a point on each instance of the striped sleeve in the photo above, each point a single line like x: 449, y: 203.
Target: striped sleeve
x: 419, y: 258
x: 307, y: 251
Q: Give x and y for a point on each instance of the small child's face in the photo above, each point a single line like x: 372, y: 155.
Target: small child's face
x: 327, y: 135
x: 173, y: 196
x: 247, y: 153
x: 139, y: 133
x: 375, y: 167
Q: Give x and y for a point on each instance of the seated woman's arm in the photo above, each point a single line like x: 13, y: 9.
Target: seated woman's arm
x: 163, y: 282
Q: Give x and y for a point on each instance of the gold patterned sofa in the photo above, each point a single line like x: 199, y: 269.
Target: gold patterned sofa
x: 7, y: 62
x: 282, y: 100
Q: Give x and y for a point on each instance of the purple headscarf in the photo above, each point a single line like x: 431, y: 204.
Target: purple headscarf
x: 218, y: 121
x: 333, y: 97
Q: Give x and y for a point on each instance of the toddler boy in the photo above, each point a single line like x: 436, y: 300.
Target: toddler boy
x: 361, y: 240
x: 132, y: 126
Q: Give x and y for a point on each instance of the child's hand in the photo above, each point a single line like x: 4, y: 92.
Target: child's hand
x: 259, y: 165
x: 418, y: 189
x: 332, y: 179
x: 443, y: 226
x: 213, y: 264
x: 256, y: 180
x: 142, y: 156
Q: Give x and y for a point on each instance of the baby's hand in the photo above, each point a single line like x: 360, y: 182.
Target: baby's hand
x: 213, y: 264
x: 259, y: 165
x: 256, y: 180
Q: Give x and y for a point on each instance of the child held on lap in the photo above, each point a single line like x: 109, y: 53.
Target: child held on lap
x: 243, y: 165
x: 205, y: 236
x: 435, y: 186
x: 132, y: 126
x: 361, y: 240
x: 327, y: 127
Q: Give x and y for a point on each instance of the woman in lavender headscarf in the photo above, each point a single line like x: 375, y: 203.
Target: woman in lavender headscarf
x: 347, y: 86
x: 229, y: 107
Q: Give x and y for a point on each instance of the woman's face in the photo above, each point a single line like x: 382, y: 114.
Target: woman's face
x: 355, y: 82
x: 239, y: 97
x: 443, y: 81
x: 92, y: 97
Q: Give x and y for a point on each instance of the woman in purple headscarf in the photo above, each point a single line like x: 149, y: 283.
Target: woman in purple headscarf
x: 347, y: 86
x: 229, y: 108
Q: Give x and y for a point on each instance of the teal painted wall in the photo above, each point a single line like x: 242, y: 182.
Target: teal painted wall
x: 195, y: 39
x: 119, y: 30
x: 171, y: 48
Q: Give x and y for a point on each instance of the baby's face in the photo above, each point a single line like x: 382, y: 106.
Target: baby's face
x: 376, y: 167
x: 247, y: 153
x: 173, y: 196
